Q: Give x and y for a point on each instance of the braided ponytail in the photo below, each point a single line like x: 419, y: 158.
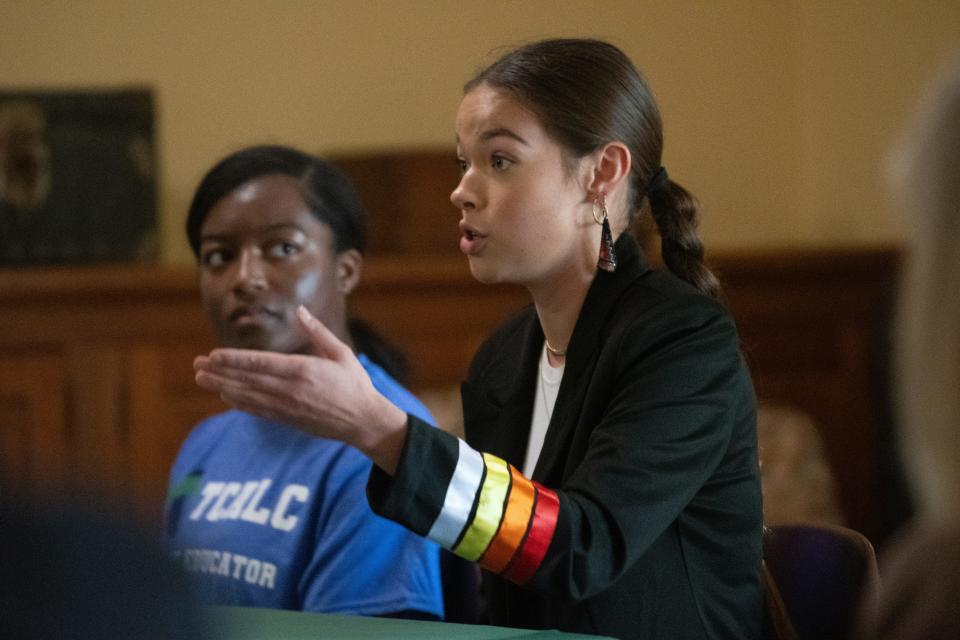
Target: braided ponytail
x: 674, y: 211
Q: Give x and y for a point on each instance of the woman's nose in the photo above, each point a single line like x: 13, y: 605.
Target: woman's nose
x: 463, y: 197
x: 250, y: 274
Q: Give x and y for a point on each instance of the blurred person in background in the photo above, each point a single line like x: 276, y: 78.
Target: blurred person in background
x: 920, y: 569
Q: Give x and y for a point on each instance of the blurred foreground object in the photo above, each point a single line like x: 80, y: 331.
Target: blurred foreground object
x: 920, y: 595
x: 78, y: 572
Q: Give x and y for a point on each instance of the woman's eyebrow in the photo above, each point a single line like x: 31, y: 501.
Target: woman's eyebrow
x: 490, y: 134
x: 502, y: 131
x: 214, y: 237
x: 279, y: 226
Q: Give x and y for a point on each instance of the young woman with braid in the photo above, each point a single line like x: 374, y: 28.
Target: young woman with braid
x: 608, y: 482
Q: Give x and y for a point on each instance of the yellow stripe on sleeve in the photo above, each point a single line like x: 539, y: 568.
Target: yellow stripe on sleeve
x: 490, y: 509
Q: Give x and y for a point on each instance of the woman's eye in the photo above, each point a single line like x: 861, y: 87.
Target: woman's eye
x: 214, y: 258
x: 462, y: 165
x: 500, y: 163
x: 282, y: 249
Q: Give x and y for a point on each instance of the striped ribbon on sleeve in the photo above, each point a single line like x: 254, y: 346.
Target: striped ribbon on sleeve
x: 494, y: 515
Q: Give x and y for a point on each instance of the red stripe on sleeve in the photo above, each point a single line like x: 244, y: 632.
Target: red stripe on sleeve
x: 530, y: 555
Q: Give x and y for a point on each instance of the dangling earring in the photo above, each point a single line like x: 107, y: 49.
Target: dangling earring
x: 608, y: 255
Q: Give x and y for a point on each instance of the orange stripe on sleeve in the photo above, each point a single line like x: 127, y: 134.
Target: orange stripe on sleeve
x: 516, y: 520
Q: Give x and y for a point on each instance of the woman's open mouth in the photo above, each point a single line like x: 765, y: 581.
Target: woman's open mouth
x: 471, y: 241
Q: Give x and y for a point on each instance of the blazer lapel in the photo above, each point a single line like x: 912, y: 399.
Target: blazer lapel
x: 501, y: 403
x: 582, y: 353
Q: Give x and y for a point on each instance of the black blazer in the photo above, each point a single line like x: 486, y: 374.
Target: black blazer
x: 652, y: 451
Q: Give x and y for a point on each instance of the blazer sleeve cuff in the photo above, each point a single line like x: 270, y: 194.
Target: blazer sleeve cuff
x: 415, y: 494
x: 475, y: 504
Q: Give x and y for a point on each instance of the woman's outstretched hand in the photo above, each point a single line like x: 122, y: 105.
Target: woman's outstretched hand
x: 327, y: 394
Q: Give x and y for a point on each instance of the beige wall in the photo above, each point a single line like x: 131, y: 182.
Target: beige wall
x: 777, y: 113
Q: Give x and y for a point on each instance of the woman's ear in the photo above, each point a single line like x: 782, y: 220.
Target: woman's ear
x: 611, y: 168
x: 349, y: 270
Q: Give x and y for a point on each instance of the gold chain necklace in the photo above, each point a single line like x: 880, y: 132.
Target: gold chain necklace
x: 557, y: 352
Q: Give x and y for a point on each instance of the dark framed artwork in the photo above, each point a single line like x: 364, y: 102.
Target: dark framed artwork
x: 77, y: 177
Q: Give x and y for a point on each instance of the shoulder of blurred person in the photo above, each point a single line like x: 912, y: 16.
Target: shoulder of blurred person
x: 81, y: 571
x: 925, y: 175
x: 920, y: 587
x: 920, y: 569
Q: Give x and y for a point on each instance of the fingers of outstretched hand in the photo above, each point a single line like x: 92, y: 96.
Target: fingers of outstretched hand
x: 325, y: 395
x: 236, y: 361
x: 265, y: 396
x: 324, y: 341
x: 219, y: 377
x: 236, y: 385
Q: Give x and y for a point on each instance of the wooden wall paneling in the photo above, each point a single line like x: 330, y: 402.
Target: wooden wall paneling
x: 97, y: 318
x: 407, y: 197
x: 98, y: 360
x: 98, y: 440
x: 35, y: 421
x: 165, y: 405
x: 814, y: 327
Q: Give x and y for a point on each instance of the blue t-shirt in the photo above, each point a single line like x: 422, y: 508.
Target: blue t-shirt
x: 265, y: 515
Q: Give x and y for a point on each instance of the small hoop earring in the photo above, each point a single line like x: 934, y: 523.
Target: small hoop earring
x: 603, y: 207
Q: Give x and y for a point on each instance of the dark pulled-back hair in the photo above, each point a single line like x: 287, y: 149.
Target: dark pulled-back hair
x: 332, y: 200
x: 588, y: 93
x: 329, y: 194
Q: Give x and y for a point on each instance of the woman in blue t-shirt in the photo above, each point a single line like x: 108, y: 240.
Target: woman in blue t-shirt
x: 260, y: 512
